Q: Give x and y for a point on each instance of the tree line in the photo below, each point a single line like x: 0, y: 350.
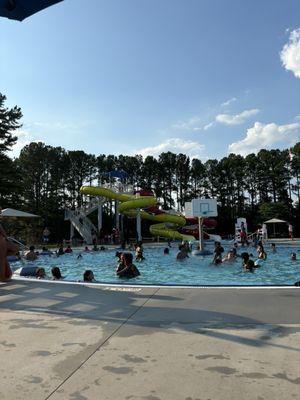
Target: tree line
x: 46, y: 179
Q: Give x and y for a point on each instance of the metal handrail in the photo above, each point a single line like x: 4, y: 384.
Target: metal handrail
x: 12, y: 239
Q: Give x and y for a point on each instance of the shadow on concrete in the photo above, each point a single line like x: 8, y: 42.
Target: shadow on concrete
x: 202, y: 311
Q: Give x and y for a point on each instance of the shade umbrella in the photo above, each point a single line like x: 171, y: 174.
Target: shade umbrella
x: 118, y: 174
x: 11, y: 212
x: 275, y: 221
x: 21, y: 9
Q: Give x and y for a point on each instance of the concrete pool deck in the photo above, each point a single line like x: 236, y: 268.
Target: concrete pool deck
x: 78, y: 342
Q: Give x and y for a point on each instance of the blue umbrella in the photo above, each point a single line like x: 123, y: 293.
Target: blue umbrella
x: 21, y: 9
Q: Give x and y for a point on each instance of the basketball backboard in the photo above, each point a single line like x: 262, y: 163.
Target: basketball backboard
x: 204, y: 208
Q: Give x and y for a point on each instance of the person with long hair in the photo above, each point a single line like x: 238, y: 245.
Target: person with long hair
x: 126, y: 268
x: 56, y: 274
x: 88, y: 276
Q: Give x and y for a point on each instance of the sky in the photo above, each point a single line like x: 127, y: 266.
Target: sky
x: 200, y: 77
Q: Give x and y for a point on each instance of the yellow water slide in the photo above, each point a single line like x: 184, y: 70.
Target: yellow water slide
x: 130, y: 204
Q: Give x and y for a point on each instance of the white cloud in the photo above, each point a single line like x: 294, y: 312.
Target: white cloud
x: 207, y: 126
x: 228, y: 102
x: 55, y: 126
x: 24, y: 138
x: 265, y: 136
x: 290, y: 54
x: 237, y: 119
x: 175, y: 145
x: 192, y: 124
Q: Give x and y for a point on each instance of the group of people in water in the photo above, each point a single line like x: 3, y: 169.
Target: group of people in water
x: 248, y: 263
x: 231, y: 256
x: 125, y: 266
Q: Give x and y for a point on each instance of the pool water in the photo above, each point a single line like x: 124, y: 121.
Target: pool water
x: 160, y: 269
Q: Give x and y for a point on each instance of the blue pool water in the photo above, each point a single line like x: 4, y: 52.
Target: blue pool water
x: 159, y: 269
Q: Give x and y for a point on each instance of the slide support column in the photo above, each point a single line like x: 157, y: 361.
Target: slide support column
x: 200, y: 220
x: 138, y: 226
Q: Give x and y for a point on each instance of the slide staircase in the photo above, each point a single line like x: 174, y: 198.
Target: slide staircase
x: 81, y: 223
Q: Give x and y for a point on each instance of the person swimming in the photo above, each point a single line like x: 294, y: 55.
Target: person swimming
x: 56, y: 274
x: 230, y: 257
x: 31, y: 254
x: 68, y: 250
x: 166, y: 251
x: 45, y: 252
x: 88, y: 276
x: 262, y: 255
x: 40, y: 273
x: 139, y: 252
x: 126, y: 268
x: 273, y: 248
x: 60, y: 251
x: 218, y: 253
x: 182, y: 253
x: 247, y: 264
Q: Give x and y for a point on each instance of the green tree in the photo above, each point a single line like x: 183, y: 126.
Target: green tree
x: 10, y: 189
x: 9, y: 178
x: 132, y: 165
x: 273, y: 210
x: 150, y: 177
x: 295, y: 169
x: 33, y: 165
x: 81, y: 169
x: 9, y: 123
x: 251, y: 181
x: 197, y: 178
x: 273, y: 174
x: 167, y: 166
x: 182, y: 179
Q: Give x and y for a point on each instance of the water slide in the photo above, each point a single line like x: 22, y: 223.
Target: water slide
x: 130, y: 204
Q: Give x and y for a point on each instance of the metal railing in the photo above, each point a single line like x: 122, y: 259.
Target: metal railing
x: 20, y: 244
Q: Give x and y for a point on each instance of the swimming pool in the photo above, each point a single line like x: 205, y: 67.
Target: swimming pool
x: 159, y: 269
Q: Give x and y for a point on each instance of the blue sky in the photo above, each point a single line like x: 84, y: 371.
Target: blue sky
x: 202, y: 77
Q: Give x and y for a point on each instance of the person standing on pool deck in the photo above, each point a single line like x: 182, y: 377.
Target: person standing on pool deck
x: 46, y: 234
x: 291, y: 231
x: 7, y: 248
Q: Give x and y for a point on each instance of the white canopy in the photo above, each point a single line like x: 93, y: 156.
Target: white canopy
x: 10, y: 212
x: 275, y: 221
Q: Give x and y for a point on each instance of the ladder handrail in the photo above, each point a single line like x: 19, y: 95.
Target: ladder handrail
x: 22, y: 245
